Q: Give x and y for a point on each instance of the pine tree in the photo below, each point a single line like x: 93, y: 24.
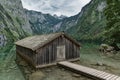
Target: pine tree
x: 112, y: 30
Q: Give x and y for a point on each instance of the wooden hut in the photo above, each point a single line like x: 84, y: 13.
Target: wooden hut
x: 48, y: 49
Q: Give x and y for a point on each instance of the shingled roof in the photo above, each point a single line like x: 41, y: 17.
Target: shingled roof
x: 37, y: 41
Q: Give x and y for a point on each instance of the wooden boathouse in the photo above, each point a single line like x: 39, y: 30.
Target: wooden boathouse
x: 48, y: 49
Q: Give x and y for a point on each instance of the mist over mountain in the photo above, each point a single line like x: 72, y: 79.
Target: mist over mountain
x: 59, y: 17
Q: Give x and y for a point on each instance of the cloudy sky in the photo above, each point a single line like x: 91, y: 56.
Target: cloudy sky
x: 59, y: 7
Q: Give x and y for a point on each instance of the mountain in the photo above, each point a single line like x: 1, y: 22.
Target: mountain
x: 41, y: 23
x: 66, y: 23
x: 13, y: 21
x: 46, y: 23
x: 16, y: 22
x: 87, y: 25
x: 91, y: 21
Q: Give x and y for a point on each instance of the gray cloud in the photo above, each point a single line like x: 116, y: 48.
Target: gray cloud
x: 59, y: 7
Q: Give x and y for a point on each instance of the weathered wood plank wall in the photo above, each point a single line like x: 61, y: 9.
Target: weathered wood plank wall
x: 48, y: 53
x: 72, y: 50
x: 25, y: 51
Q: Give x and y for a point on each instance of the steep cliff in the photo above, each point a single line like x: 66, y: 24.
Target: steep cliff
x: 91, y: 21
x: 13, y: 21
x: 66, y: 23
x: 41, y: 23
x: 46, y: 23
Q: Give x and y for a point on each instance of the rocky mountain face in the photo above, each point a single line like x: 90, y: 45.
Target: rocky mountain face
x: 41, y: 23
x: 66, y: 23
x: 13, y: 21
x: 46, y: 23
x: 91, y: 21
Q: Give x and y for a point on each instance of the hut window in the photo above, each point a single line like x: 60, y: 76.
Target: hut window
x: 60, y: 52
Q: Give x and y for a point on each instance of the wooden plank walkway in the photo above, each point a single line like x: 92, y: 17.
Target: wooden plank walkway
x: 89, y: 72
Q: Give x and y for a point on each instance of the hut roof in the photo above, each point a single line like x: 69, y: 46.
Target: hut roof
x: 38, y: 41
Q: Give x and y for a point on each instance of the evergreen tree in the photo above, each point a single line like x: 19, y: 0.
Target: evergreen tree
x: 112, y: 29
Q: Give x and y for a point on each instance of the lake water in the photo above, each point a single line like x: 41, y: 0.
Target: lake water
x: 8, y: 67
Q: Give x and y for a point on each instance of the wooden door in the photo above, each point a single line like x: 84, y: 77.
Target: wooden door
x: 61, y: 53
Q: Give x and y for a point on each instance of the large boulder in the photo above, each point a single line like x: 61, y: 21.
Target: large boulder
x: 106, y: 48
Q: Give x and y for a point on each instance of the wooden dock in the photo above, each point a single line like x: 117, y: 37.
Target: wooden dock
x: 88, y: 72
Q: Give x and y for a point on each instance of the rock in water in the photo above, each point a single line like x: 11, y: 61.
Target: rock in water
x: 27, y: 71
x: 105, y: 48
x: 76, y: 75
x: 37, y: 76
x: 99, y: 64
